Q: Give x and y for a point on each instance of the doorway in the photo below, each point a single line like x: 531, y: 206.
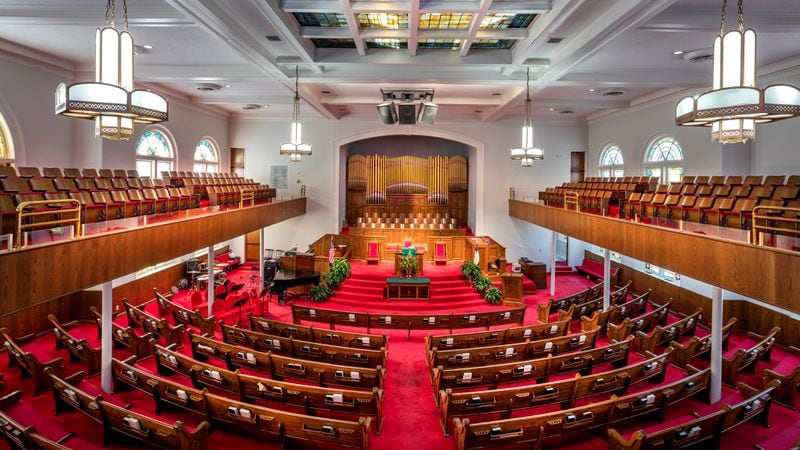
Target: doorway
x: 252, y: 246
x: 577, y: 166
x: 237, y: 161
x: 562, y: 248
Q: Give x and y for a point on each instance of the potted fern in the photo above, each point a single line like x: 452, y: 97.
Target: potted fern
x: 481, y: 284
x: 470, y: 270
x: 408, y: 265
x: 493, y: 295
x: 320, y: 293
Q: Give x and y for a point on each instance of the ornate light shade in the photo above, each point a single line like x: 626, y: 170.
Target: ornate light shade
x: 527, y: 153
x: 735, y: 105
x: 111, y: 100
x: 295, y: 149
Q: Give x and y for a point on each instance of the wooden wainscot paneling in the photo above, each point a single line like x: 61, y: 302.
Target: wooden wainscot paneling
x: 36, y: 274
x: 764, y: 273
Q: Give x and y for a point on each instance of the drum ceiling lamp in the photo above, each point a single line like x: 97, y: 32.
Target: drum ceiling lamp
x: 527, y: 153
x: 295, y: 149
x: 110, y: 100
x: 735, y: 105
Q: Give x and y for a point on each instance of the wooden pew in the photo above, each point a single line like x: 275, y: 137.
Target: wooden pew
x: 644, y: 322
x: 76, y: 345
x: 325, y: 374
x: 409, y: 322
x: 576, y: 310
x: 125, y: 336
x: 745, y: 359
x: 325, y: 336
x: 303, y: 349
x: 663, y: 335
x: 17, y: 434
x: 789, y: 376
x: 151, y: 431
x: 67, y: 395
x: 698, y: 346
x: 544, y: 310
x: 755, y: 408
x: 533, y: 369
x: 502, y: 336
x: 165, y: 392
x: 535, y: 431
x: 151, y: 324
x: 563, y: 393
x: 615, y: 313
x: 202, y: 374
x: 32, y: 363
x: 184, y: 315
x: 494, y: 354
x: 287, y: 427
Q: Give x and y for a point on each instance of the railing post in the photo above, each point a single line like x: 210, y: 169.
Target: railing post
x: 716, y: 345
x: 210, y: 285
x: 262, y: 244
x: 106, y: 343
x: 553, y: 264
x: 606, y: 278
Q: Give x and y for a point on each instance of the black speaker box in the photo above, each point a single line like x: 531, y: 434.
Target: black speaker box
x: 407, y: 113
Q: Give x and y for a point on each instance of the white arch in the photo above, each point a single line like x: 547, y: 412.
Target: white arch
x: 480, y: 151
x: 13, y: 132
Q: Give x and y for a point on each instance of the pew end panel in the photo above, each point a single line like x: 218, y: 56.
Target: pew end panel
x: 786, y: 392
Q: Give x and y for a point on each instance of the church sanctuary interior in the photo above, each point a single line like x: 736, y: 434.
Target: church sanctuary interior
x: 400, y: 224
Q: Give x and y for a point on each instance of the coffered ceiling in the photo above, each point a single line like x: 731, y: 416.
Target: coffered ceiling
x: 585, y: 56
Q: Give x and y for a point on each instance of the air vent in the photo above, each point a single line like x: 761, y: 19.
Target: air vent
x: 612, y: 92
x: 251, y: 107
x: 699, y: 55
x: 565, y: 111
x: 555, y: 40
x: 273, y: 38
x: 208, y: 87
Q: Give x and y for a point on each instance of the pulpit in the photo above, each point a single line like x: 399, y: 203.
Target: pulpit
x: 512, y: 288
x: 399, y: 255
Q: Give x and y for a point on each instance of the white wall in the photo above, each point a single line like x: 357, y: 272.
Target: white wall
x: 262, y: 139
x: 776, y: 149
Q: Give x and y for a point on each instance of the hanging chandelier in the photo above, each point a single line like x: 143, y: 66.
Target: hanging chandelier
x: 527, y: 153
x: 110, y: 100
x: 295, y: 148
x: 735, y: 105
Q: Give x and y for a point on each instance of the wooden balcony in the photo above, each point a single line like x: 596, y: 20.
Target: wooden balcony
x: 763, y: 273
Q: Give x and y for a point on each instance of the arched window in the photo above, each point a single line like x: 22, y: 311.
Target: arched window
x: 611, y: 164
x: 6, y: 147
x: 154, y: 154
x: 205, y: 156
x: 664, y: 160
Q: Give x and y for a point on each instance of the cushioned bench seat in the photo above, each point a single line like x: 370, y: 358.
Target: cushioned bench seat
x: 593, y: 268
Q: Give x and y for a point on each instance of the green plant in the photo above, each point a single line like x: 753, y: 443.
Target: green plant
x: 470, y: 270
x: 493, y: 295
x: 481, y: 283
x: 342, y: 268
x: 408, y: 264
x: 332, y: 280
x: 320, y: 293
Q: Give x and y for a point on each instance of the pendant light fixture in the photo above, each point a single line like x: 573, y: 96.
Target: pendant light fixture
x: 735, y: 105
x: 111, y: 100
x: 527, y: 153
x: 295, y: 149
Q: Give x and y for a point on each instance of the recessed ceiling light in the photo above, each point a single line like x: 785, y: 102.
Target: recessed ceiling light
x: 208, y: 87
x: 326, y: 91
x: 552, y: 109
x: 227, y: 85
x: 496, y: 93
x: 677, y: 52
x: 147, y: 47
x: 478, y: 111
x: 592, y: 89
x: 251, y: 107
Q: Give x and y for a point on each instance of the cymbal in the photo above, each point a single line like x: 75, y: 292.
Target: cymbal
x: 193, y: 271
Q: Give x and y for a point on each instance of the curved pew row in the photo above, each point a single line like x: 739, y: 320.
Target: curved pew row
x: 699, y: 346
x: 183, y: 315
x: 167, y: 393
x: 72, y: 339
x: 301, y: 349
x: 533, y: 369
x: 566, y: 392
x: 31, y: 359
x: 409, y: 322
x: 157, y: 326
x: 324, y: 336
x: 661, y: 336
x: 587, y: 421
x: 788, y: 373
x: 544, y: 310
x: 125, y: 337
x: 631, y: 325
x: 615, y: 313
x: 577, y: 310
x: 744, y: 359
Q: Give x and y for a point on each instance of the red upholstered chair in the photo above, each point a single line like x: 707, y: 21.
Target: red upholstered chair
x: 407, y: 243
x: 373, y: 254
x: 440, y: 253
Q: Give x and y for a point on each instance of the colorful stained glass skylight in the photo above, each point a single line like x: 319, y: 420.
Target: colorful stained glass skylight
x: 333, y: 43
x: 495, y: 21
x: 493, y: 43
x: 444, y: 21
x: 388, y: 21
x: 447, y: 44
x: 387, y: 43
x: 325, y: 20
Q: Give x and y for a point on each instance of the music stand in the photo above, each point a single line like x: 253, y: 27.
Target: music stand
x: 261, y: 296
x: 239, y: 303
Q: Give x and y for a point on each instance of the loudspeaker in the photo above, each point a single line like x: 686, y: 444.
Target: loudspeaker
x: 192, y: 264
x: 407, y: 113
x: 427, y: 112
x: 387, y: 113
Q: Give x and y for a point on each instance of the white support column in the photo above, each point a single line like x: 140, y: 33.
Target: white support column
x: 716, y: 345
x: 106, y: 343
x: 262, y: 243
x: 210, y: 280
x: 553, y: 264
x: 606, y: 278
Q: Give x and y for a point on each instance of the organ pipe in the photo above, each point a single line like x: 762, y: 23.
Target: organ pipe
x: 434, y: 176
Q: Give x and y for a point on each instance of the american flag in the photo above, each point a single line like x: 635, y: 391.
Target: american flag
x: 330, y: 253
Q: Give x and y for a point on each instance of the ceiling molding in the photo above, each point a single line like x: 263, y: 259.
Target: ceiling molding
x: 90, y: 16
x: 28, y: 56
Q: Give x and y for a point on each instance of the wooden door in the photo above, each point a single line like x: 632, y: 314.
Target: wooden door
x: 577, y: 167
x: 237, y: 161
x: 252, y: 246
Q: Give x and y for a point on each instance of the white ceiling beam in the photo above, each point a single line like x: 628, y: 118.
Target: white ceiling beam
x: 635, y: 77
x: 381, y: 33
x: 352, y: 24
x: 372, y: 100
x: 359, y: 7
x: 448, y: 5
x: 413, y: 28
x: 523, y: 7
x: 309, y: 6
x: 474, y: 26
x: 289, y: 33
x: 90, y: 16
x: 219, y: 99
x: 324, y: 33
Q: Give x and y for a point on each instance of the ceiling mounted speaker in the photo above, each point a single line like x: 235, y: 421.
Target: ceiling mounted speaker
x: 387, y: 113
x: 427, y: 112
x: 407, y: 113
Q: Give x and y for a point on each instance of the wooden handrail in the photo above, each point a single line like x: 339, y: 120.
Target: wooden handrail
x: 22, y: 214
x: 756, y: 228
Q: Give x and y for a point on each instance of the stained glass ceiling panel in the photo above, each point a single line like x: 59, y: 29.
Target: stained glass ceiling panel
x: 333, y: 43
x: 324, y: 20
x: 444, y: 21
x: 446, y: 44
x: 389, y: 21
x: 496, y: 21
x: 387, y: 43
x: 493, y: 43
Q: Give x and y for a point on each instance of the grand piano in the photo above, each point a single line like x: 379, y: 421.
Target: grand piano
x: 285, y: 279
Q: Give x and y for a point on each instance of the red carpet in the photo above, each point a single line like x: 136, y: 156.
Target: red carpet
x: 411, y: 417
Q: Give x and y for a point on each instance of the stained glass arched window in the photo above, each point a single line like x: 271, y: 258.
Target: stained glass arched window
x: 154, y: 154
x: 6, y: 147
x: 664, y: 159
x: 611, y: 163
x: 206, y: 157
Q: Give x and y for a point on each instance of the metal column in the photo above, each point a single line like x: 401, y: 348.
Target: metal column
x: 210, y: 286
x: 716, y: 345
x: 606, y: 278
x: 106, y: 342
x: 553, y: 265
